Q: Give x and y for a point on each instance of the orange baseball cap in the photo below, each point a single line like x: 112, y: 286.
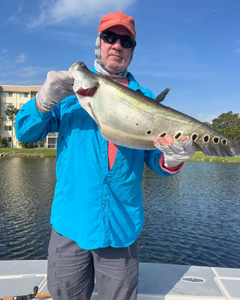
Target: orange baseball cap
x: 117, y: 18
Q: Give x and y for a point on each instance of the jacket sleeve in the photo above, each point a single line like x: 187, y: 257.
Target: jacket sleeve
x: 31, y: 125
x: 152, y: 160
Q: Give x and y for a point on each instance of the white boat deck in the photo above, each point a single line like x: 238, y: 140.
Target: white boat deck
x: 156, y: 281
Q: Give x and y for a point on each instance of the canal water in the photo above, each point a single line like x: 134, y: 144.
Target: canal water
x: 192, y: 218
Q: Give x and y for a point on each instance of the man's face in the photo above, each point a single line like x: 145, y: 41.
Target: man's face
x: 116, y: 58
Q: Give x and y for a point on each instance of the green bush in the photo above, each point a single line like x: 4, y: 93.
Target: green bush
x: 3, y: 142
x: 27, y: 145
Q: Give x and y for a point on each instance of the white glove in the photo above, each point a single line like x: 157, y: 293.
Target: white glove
x: 176, y: 153
x: 57, y: 87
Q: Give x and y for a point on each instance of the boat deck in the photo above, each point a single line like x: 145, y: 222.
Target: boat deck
x: 156, y: 281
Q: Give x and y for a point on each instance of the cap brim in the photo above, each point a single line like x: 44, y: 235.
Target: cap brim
x: 117, y: 24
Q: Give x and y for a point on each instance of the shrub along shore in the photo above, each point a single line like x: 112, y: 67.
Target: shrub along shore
x: 42, y: 152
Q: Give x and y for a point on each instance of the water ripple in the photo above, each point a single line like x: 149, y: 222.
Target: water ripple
x: 26, y: 193
x: 191, y: 218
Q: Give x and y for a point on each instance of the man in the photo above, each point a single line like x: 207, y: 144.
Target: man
x: 97, y: 212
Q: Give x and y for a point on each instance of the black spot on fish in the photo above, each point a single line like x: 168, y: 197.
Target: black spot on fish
x: 194, y: 137
x: 178, y: 135
x: 149, y: 131
x: 206, y: 138
x: 216, y: 140
x: 224, y: 142
x: 162, y: 134
x: 137, y: 124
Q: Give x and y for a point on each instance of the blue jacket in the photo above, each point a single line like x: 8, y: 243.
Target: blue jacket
x: 93, y: 206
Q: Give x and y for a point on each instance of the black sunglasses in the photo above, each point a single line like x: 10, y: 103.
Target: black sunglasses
x: 111, y: 38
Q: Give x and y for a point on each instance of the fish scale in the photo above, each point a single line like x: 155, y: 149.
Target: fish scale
x: 130, y: 119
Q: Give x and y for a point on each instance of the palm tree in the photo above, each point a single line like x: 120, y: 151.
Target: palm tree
x: 2, y: 120
x: 11, y: 112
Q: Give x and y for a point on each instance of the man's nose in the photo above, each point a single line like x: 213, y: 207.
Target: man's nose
x: 117, y: 44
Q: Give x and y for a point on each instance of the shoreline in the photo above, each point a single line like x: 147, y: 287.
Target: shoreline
x: 42, y: 153
x: 21, y: 152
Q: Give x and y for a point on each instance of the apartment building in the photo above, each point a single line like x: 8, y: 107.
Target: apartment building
x: 18, y: 96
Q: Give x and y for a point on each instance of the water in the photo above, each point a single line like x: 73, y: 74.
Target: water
x: 191, y: 218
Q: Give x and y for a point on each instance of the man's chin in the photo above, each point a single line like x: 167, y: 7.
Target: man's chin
x: 115, y: 68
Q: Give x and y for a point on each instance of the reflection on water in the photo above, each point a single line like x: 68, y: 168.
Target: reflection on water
x: 26, y: 193
x: 191, y: 218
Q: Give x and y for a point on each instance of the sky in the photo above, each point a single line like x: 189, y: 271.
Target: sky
x: 190, y: 46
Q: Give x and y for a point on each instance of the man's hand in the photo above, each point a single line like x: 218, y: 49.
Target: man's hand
x: 175, y: 152
x: 57, y: 87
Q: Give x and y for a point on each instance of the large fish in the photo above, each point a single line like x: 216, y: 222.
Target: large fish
x: 130, y: 119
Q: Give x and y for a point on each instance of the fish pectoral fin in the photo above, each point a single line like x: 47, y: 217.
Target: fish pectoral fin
x: 162, y: 95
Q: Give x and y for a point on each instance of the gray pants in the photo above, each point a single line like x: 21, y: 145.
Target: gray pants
x: 71, y: 271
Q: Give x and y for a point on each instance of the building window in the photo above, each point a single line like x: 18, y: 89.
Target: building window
x: 7, y: 94
x: 6, y: 105
x: 7, y: 128
x: 52, y: 142
x: 23, y: 95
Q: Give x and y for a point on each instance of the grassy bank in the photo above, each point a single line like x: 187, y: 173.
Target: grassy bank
x: 199, y: 156
x: 37, y: 152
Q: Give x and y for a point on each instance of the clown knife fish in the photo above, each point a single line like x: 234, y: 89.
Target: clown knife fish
x: 130, y: 119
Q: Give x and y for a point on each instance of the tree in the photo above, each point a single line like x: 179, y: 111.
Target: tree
x: 207, y: 123
x: 27, y: 145
x: 229, y: 125
x: 11, y: 112
x: 3, y: 142
x: 2, y: 120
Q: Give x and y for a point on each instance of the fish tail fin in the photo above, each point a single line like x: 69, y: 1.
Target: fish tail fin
x: 220, y: 150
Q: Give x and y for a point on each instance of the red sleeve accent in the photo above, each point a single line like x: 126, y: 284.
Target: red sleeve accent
x: 170, y: 170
